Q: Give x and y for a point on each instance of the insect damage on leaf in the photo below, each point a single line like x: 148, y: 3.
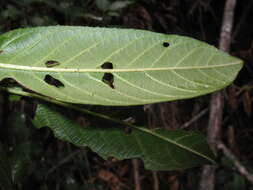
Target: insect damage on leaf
x: 140, y: 68
x: 107, y: 65
x: 53, y: 81
x: 52, y: 63
x: 108, y: 78
x: 166, y: 44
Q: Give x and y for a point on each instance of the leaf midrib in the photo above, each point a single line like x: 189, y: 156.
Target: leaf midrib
x: 173, y: 142
x: 76, y: 70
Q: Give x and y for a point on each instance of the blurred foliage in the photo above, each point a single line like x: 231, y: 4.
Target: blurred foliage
x: 112, y: 8
x: 69, y: 12
x: 34, y: 159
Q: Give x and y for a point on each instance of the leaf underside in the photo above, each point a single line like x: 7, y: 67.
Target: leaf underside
x: 68, y: 64
x: 159, y: 149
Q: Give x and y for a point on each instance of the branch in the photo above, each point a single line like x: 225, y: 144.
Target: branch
x: 239, y: 167
x: 156, y: 180
x: 227, y: 24
x: 194, y: 119
x: 137, y: 179
x: 217, y: 100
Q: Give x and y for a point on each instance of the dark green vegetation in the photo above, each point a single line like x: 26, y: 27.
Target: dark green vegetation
x: 34, y: 159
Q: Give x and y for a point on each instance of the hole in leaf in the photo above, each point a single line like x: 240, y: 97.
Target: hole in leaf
x: 107, y: 65
x: 53, y: 81
x: 108, y: 79
x: 1, y: 51
x: 128, y: 130
x: 166, y: 44
x: 52, y: 63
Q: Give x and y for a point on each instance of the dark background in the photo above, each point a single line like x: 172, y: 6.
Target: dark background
x: 33, y: 159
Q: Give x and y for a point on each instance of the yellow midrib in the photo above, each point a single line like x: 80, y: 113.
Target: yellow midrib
x: 72, y: 70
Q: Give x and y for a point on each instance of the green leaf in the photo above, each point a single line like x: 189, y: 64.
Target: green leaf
x: 68, y: 64
x: 159, y: 149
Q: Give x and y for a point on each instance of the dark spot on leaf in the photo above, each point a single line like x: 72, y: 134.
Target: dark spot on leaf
x: 52, y: 63
x: 166, y: 44
x: 53, y: 81
x: 1, y: 51
x: 108, y: 79
x: 128, y: 130
x: 107, y: 65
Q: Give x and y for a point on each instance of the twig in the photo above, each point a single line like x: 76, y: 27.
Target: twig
x: 194, y: 119
x: 63, y: 161
x: 215, y: 119
x: 207, y: 178
x: 137, y: 179
x: 217, y: 100
x: 239, y: 167
x: 226, y: 30
x: 156, y: 180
